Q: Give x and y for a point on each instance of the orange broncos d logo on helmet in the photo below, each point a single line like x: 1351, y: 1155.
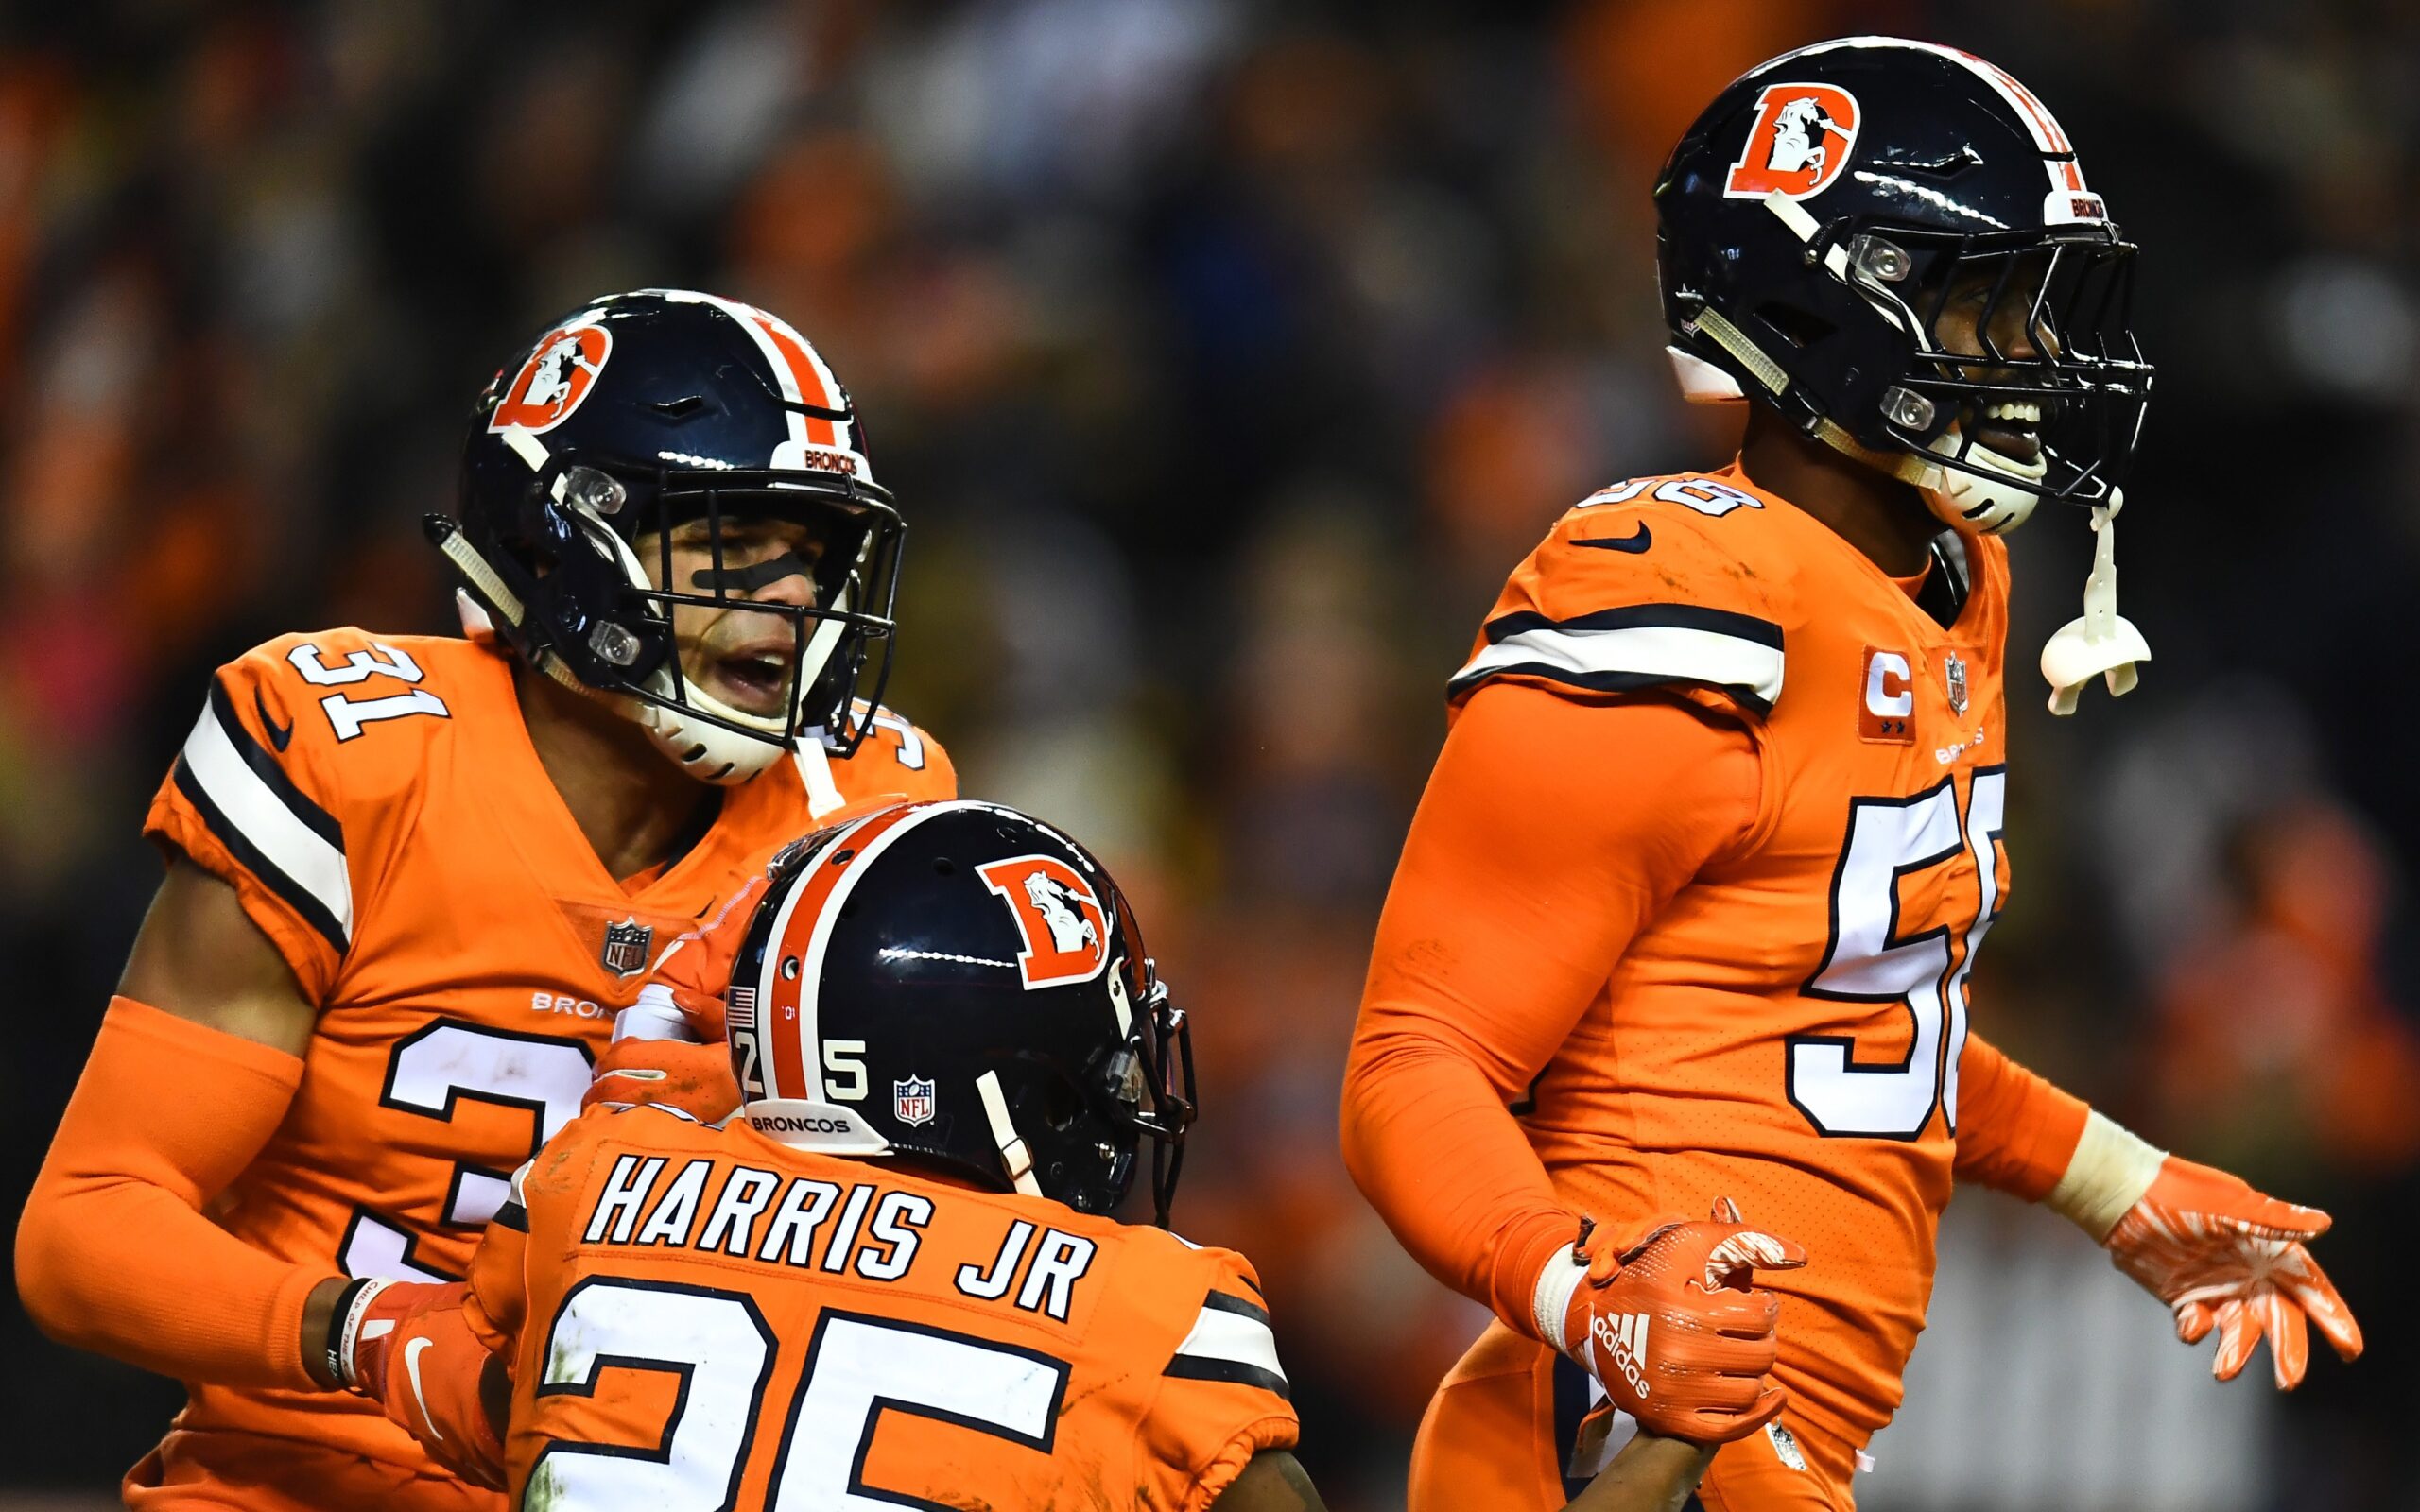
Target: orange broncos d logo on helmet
x: 1799, y: 143
x: 1065, y: 929
x: 558, y: 374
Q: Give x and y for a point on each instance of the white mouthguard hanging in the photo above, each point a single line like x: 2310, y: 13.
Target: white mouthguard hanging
x: 2101, y: 643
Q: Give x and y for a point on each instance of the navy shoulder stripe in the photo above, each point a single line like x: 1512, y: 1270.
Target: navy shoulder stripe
x: 279, y: 833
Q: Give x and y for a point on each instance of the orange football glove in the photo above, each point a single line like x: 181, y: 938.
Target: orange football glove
x: 668, y: 1048
x: 408, y: 1347
x: 666, y: 1072
x: 1675, y: 1326
x: 2221, y: 1254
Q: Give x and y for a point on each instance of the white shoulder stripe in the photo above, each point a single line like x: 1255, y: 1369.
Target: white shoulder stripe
x: 262, y: 818
x: 1233, y: 1338
x: 1606, y: 658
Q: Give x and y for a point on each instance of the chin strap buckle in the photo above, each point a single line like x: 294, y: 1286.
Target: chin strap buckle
x: 2101, y: 642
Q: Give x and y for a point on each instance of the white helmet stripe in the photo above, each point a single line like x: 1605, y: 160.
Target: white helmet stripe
x: 819, y: 943
x: 769, y: 1069
x: 783, y: 373
x: 2048, y: 137
x: 797, y: 366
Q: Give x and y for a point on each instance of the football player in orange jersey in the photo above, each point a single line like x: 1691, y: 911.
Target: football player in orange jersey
x: 897, y: 1278
x: 411, y: 880
x: 1690, y: 906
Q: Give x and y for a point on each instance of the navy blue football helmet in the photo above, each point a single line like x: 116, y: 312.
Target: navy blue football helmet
x: 1828, y: 210
x: 642, y: 412
x: 961, y: 986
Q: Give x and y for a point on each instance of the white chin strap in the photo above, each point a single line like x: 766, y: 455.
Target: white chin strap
x: 712, y: 754
x: 1979, y: 492
x: 705, y: 750
x: 1016, y: 1160
x: 2101, y: 642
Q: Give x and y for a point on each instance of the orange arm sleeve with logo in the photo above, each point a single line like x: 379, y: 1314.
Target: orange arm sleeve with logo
x: 2016, y: 1130
x: 1553, y: 829
x: 115, y: 1253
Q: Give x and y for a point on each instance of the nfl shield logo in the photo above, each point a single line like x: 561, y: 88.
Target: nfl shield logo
x: 626, y: 947
x: 911, y: 1101
x: 1957, y: 669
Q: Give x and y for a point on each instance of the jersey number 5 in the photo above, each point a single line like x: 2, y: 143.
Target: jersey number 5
x: 1875, y: 956
x: 717, y: 1342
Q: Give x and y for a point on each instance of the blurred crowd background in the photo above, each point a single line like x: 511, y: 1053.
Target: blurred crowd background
x: 1225, y: 354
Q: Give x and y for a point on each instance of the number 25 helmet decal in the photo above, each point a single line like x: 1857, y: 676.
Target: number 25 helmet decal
x: 645, y: 412
x: 961, y: 984
x: 1892, y: 243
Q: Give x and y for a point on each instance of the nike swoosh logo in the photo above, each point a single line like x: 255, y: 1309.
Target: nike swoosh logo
x: 278, y: 736
x: 1631, y: 543
x: 411, y: 1367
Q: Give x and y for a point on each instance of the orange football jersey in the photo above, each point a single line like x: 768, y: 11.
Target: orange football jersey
x: 701, y: 1316
x: 378, y: 807
x: 1785, y: 1031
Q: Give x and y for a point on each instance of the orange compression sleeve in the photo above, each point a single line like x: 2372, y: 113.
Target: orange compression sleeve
x: 1551, y: 830
x: 114, y: 1252
x: 2016, y: 1130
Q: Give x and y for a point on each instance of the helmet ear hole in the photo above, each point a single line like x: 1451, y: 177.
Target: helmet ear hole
x: 1061, y: 1106
x: 1800, y: 327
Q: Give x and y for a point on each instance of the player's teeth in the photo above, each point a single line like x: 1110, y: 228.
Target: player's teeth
x: 2031, y: 414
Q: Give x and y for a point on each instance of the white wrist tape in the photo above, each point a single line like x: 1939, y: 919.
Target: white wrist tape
x: 1550, y: 1300
x: 351, y: 1332
x: 2109, y: 1173
x: 654, y: 1016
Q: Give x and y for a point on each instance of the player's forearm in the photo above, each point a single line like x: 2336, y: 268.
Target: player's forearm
x: 1652, y: 1474
x: 2021, y: 1134
x: 1448, y: 1168
x: 1552, y: 832
x: 113, y: 1253
x: 2017, y: 1131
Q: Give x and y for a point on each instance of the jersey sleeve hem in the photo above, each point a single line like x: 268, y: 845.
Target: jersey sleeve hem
x: 181, y: 830
x: 1276, y: 1431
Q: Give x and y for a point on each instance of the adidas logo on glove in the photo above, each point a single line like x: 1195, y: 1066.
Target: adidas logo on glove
x: 1624, y: 1336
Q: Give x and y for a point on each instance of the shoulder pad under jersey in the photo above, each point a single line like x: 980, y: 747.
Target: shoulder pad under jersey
x: 1646, y: 585
x: 897, y: 756
x: 286, y: 781
x: 1223, y: 1396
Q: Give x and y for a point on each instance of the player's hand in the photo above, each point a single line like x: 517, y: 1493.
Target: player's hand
x: 2221, y: 1255
x: 1676, y: 1328
x: 695, y: 1078
x: 669, y: 1047
x: 408, y: 1347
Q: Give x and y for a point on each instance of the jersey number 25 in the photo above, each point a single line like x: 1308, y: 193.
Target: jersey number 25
x: 857, y: 1368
